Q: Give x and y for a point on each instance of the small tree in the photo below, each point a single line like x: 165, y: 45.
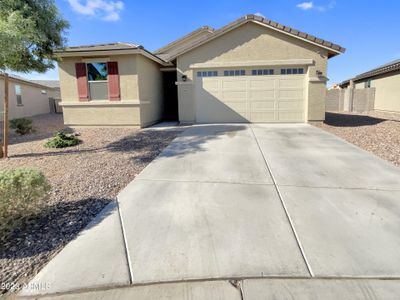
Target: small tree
x: 30, y: 32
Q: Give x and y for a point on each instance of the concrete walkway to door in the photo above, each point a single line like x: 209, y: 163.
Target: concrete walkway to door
x: 233, y: 211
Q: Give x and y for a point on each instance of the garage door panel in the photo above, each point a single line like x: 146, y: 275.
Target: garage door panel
x: 234, y: 84
x: 260, y: 99
x: 260, y: 117
x: 262, y: 105
x: 263, y: 83
x: 210, y: 85
x: 290, y: 116
x: 287, y: 105
x: 238, y: 106
x: 227, y: 95
x: 261, y: 95
x: 290, y: 94
x: 291, y: 83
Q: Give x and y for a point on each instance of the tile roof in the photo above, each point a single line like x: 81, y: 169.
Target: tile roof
x: 335, y: 49
x: 386, y: 68
x: 381, y: 70
x: 102, y: 47
x: 49, y: 83
x: 38, y: 83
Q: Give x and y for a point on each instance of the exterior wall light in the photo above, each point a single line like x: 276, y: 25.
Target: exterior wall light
x: 184, y: 78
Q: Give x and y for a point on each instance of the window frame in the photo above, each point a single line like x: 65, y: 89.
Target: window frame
x: 18, y: 94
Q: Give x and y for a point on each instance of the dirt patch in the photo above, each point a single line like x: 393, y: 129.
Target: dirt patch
x: 84, y: 179
x: 376, y: 132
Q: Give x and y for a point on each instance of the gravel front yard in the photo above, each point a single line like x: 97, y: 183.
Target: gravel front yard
x: 375, y: 132
x: 84, y: 179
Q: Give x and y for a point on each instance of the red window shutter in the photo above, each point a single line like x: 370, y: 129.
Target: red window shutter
x: 82, y: 81
x: 113, y: 81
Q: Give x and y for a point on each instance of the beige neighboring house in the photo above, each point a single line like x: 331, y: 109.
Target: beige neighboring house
x: 28, y: 98
x: 384, y: 82
x: 251, y: 70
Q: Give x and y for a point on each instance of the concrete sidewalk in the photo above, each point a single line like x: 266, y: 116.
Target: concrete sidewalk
x: 306, y: 211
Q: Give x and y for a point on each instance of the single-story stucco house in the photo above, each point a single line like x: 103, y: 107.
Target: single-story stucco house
x: 28, y: 98
x: 385, y: 80
x: 251, y: 70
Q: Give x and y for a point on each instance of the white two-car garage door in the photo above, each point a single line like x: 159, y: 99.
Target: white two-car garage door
x: 249, y: 98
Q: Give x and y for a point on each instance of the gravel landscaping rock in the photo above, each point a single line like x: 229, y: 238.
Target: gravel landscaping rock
x: 84, y: 179
x: 376, y: 132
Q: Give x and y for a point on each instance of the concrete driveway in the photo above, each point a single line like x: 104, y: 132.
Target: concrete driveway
x: 287, y: 210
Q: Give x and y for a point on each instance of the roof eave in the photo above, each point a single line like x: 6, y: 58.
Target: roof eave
x: 122, y: 51
x: 28, y: 82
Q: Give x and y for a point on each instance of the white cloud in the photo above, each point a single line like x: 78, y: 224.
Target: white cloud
x: 311, y: 5
x: 305, y: 5
x: 103, y: 9
x: 259, y: 14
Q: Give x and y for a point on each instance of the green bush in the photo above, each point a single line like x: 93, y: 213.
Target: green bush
x: 62, y: 140
x: 22, y: 126
x: 23, y: 193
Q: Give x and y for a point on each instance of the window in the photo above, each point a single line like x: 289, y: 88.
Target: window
x: 97, y: 71
x: 18, y: 93
x: 293, y: 71
x: 207, y: 73
x: 263, y: 72
x: 234, y: 72
x: 97, y: 75
x: 368, y: 84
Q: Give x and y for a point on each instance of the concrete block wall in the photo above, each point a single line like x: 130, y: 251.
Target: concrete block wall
x: 351, y: 100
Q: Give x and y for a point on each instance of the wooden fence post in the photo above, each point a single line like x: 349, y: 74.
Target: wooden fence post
x: 5, y: 118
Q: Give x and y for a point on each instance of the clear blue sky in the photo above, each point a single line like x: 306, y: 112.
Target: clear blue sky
x: 369, y: 30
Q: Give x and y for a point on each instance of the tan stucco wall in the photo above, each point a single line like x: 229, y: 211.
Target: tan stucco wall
x: 316, y: 106
x: 387, y: 93
x: 102, y: 115
x: 33, y: 101
x: 252, y: 42
x: 105, y: 112
x: 150, y: 91
x: 127, y: 67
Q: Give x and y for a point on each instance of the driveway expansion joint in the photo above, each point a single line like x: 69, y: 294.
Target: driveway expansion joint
x: 206, y: 181
x: 125, y: 240
x: 303, y: 254
x: 341, y: 188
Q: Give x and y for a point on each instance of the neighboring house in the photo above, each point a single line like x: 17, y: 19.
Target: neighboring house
x: 26, y: 97
x: 385, y: 84
x: 251, y: 70
x: 53, y: 84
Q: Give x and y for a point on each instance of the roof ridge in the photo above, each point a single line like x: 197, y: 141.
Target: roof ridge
x: 171, y: 44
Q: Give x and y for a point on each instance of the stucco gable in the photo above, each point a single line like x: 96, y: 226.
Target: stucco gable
x: 331, y: 48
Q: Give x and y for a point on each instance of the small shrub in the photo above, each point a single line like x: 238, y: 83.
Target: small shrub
x: 22, y: 126
x: 23, y: 194
x: 62, y: 140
